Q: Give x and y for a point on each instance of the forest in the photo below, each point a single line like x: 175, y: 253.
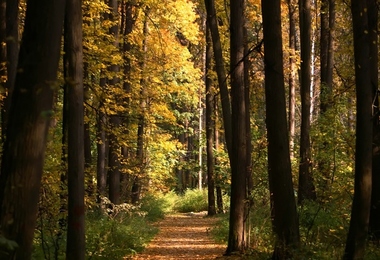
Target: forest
x: 116, y: 113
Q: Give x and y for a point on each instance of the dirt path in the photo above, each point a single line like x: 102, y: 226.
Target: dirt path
x: 183, y: 236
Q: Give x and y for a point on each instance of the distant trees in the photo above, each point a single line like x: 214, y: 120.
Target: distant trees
x: 142, y: 66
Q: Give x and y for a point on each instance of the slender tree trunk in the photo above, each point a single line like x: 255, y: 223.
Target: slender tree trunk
x: 306, y: 189
x: 29, y: 117
x: 236, y: 242
x: 219, y: 194
x: 3, y: 62
x: 115, y: 121
x: 210, y: 125
x: 284, y: 212
x: 101, y: 157
x: 326, y: 60
x: 220, y: 70
x: 292, y: 76
x: 75, y: 248
x: 247, y: 97
x: 357, y: 234
x: 129, y: 21
x: 136, y: 187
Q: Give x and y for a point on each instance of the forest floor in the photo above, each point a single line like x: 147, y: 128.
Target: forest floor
x: 184, y: 236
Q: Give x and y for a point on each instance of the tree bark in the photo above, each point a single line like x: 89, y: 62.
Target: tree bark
x: 292, y: 76
x: 283, y: 210
x: 357, y: 234
x: 136, y: 187
x: 210, y: 125
x: 75, y: 248
x: 12, y: 49
x: 29, y: 117
x: 374, y: 221
x: 238, y: 160
x: 219, y: 195
x: 306, y: 189
x: 221, y: 73
x: 115, y: 121
x: 326, y: 60
x: 101, y: 173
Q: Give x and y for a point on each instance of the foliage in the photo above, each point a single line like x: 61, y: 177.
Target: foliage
x: 192, y: 201
x: 115, y: 237
x: 157, y: 205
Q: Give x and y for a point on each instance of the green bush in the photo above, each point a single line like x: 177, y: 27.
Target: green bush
x: 192, y: 201
x: 157, y: 206
x: 115, y: 237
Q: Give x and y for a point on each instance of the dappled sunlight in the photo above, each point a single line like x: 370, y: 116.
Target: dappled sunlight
x: 184, y: 236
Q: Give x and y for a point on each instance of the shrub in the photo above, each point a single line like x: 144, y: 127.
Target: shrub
x: 116, y: 235
x: 157, y: 206
x: 192, y: 201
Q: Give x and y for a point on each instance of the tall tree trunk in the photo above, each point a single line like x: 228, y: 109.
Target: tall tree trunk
x: 236, y: 242
x: 75, y: 248
x: 374, y: 221
x: 115, y: 121
x: 12, y: 46
x: 326, y: 60
x: 284, y: 212
x: 3, y: 66
x: 128, y: 23
x: 101, y: 173
x: 306, y: 189
x: 249, y: 178
x: 292, y: 75
x: 136, y: 187
x: 210, y: 125
x: 219, y: 194
x: 358, y: 230
x: 221, y: 73
x: 32, y: 103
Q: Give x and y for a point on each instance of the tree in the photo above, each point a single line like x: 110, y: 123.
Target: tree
x: 374, y: 221
x: 283, y: 208
x: 29, y: 116
x: 238, y: 159
x: 75, y: 248
x: 115, y: 121
x: 220, y: 70
x: 357, y: 234
x: 12, y: 48
x: 326, y: 88
x: 306, y: 189
x: 210, y: 126
x: 292, y: 75
x: 136, y: 187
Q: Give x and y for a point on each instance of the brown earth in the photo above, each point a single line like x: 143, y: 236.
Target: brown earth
x: 184, y: 236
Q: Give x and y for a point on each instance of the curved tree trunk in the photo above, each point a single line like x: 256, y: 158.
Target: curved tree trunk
x: 220, y: 70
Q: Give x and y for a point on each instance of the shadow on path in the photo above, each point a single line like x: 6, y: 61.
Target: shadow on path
x: 183, y: 236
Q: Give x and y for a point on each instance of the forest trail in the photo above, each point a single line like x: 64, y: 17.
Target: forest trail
x: 183, y: 236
